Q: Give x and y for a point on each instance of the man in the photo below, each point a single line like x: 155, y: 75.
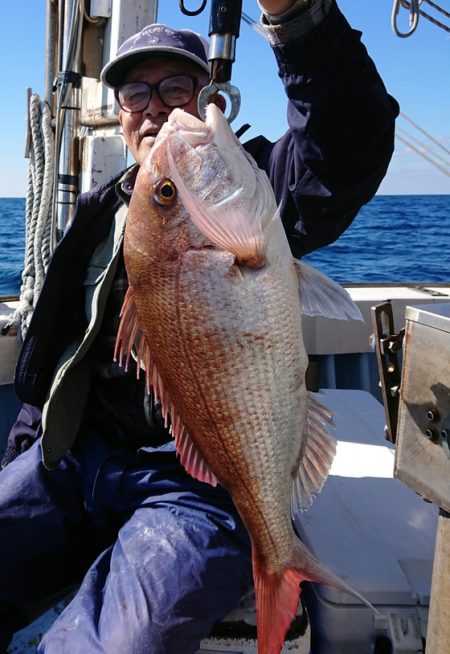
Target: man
x: 161, y: 557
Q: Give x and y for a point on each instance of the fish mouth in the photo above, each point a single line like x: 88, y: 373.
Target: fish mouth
x: 190, y: 128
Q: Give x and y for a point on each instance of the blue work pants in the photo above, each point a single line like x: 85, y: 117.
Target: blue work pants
x: 160, y: 556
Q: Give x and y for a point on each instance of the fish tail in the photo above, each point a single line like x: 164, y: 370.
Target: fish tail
x: 277, y: 595
x: 277, y: 598
x: 313, y: 570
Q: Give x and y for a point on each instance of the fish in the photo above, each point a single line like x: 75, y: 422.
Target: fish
x: 213, y: 315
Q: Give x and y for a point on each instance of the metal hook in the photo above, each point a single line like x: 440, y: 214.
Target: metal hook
x: 414, y: 14
x: 193, y: 12
x: 231, y: 91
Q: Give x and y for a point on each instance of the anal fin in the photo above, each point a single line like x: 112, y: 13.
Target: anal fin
x: 190, y: 457
x: 317, y: 456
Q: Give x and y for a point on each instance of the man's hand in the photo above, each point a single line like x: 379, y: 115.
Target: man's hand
x: 275, y: 7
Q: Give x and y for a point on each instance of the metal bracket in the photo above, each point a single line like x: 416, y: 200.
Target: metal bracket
x: 28, y: 137
x: 224, y: 25
x: 207, y: 92
x: 387, y: 346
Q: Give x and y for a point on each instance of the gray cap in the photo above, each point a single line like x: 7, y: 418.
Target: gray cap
x: 155, y: 39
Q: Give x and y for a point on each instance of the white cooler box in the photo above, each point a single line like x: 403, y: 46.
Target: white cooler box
x: 373, y: 532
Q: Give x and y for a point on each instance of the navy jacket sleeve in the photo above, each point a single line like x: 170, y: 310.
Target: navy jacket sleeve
x: 341, y: 137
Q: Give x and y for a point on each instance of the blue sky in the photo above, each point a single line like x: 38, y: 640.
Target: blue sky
x: 415, y: 71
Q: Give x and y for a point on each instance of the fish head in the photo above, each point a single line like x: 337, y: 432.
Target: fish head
x: 198, y: 187
x: 210, y: 162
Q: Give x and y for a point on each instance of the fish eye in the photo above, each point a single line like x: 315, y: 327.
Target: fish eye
x: 164, y: 192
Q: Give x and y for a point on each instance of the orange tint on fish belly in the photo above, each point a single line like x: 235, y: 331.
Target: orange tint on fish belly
x: 200, y: 355
x: 230, y: 405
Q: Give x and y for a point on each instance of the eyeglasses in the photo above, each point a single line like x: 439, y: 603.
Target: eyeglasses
x: 174, y: 91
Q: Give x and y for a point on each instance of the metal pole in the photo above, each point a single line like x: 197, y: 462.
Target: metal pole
x: 68, y: 168
x: 50, y: 55
x: 438, y: 630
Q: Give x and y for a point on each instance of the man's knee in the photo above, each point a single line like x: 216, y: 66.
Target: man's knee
x: 171, y: 574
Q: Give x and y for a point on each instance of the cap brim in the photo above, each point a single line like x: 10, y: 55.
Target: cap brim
x: 114, y: 72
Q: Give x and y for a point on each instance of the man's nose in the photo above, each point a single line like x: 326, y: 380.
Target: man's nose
x: 156, y: 106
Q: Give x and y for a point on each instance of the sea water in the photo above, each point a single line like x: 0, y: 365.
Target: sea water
x: 395, y: 238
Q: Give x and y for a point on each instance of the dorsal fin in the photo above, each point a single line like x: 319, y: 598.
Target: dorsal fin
x: 317, y: 456
x: 131, y: 341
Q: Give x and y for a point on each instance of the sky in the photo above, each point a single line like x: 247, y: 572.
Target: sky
x: 414, y: 70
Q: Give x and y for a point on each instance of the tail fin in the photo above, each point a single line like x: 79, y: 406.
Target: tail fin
x: 277, y: 595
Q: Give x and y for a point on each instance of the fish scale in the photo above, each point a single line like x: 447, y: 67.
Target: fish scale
x: 214, y: 311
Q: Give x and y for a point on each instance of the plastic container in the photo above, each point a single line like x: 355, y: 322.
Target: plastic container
x: 373, y: 532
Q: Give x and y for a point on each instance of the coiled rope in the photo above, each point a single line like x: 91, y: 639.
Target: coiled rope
x: 38, y: 213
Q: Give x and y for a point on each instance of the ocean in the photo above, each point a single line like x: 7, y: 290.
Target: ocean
x: 394, y: 238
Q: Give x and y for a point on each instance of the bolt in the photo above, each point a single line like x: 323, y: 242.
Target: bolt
x: 444, y: 434
x: 432, y: 415
x: 431, y: 434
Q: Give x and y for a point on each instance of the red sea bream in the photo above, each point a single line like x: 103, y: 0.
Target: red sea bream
x: 213, y: 314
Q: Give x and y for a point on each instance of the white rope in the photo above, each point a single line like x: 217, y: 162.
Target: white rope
x: 37, y: 213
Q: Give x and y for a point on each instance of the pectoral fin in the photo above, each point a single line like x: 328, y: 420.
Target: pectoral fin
x: 321, y: 296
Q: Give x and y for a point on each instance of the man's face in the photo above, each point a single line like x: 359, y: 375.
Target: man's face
x: 140, y: 128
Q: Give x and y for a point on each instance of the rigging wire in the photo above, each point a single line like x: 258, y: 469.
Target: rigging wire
x: 420, y: 129
x: 436, y: 22
x: 253, y: 24
x: 446, y: 171
x: 438, y: 8
x: 424, y: 146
